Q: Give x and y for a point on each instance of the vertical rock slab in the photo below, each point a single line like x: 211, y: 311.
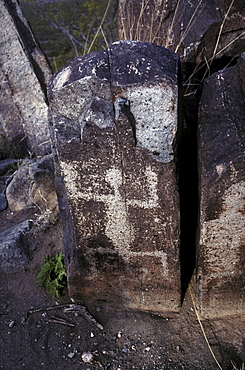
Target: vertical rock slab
x: 24, y: 123
x: 221, y: 257
x: 115, y: 127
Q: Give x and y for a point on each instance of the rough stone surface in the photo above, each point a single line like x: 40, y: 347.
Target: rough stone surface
x: 3, y: 202
x: 221, y: 257
x: 115, y: 122
x: 33, y: 183
x: 13, y: 251
x: 24, y: 123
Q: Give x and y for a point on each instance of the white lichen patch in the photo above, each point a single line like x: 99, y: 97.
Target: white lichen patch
x: 155, y: 112
x: 220, y: 168
x: 61, y: 78
x: 222, y: 238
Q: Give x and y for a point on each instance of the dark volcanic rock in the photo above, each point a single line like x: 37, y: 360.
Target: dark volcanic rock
x: 3, y: 202
x: 13, y: 251
x: 115, y: 123
x: 24, y: 124
x: 221, y: 257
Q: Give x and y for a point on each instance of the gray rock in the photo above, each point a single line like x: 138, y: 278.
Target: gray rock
x: 24, y: 112
x: 33, y: 184
x: 13, y: 250
x: 116, y: 175
x: 3, y: 202
x: 221, y: 255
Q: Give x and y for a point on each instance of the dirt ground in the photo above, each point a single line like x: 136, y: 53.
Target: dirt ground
x: 37, y: 332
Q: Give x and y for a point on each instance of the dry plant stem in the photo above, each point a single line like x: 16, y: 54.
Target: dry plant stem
x: 187, y: 27
x: 218, y: 38
x: 101, y: 23
x: 172, y: 25
x: 221, y: 29
x: 200, y: 66
x: 138, y: 26
x: 103, y: 34
x: 203, y: 331
x: 47, y: 308
x: 152, y: 39
x: 235, y: 368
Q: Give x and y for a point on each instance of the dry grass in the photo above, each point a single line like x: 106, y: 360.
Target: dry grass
x: 150, y: 22
x: 205, y: 335
x: 238, y: 368
x: 100, y: 29
x: 203, y: 331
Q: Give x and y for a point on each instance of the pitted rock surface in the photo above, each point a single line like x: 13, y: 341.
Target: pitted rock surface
x: 222, y: 194
x: 24, y: 126
x: 115, y: 127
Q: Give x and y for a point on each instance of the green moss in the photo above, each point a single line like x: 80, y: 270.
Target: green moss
x: 52, y: 276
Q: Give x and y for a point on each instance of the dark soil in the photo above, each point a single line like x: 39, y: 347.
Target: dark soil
x: 32, y: 337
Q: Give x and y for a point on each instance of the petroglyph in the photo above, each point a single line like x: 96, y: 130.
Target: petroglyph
x: 118, y: 227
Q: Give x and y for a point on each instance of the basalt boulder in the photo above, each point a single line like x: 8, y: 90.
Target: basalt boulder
x: 115, y: 123
x: 221, y: 254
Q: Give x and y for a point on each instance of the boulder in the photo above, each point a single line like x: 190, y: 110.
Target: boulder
x: 33, y: 186
x: 24, y: 122
x: 221, y: 254
x: 115, y: 123
x: 13, y: 250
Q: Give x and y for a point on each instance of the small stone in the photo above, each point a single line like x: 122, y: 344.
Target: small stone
x: 87, y: 357
x: 71, y: 354
x: 92, y: 335
x: 147, y: 349
x: 119, y: 335
x: 11, y: 324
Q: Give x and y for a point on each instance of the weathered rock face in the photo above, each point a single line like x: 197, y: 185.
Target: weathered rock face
x: 33, y: 183
x: 13, y: 250
x: 24, y: 124
x: 221, y: 258
x: 115, y: 124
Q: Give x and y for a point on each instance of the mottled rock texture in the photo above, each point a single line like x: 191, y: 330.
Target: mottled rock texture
x: 221, y: 255
x: 24, y: 123
x: 33, y: 185
x: 115, y: 127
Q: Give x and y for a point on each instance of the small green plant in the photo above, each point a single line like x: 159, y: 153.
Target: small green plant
x: 52, y: 276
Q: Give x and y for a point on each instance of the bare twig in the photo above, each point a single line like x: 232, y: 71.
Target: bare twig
x: 82, y: 310
x: 47, y: 308
x: 58, y: 320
